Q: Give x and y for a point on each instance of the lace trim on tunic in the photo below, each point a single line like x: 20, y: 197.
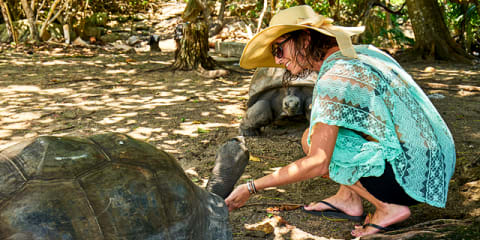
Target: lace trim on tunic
x: 375, y: 96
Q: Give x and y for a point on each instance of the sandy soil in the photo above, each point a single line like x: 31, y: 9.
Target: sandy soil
x: 56, y: 90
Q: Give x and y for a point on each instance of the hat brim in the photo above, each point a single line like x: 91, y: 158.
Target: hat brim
x: 258, y: 52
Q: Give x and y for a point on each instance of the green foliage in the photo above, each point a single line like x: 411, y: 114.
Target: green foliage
x: 463, y: 21
x: 381, y: 30
x: 322, y: 6
x: 97, y: 19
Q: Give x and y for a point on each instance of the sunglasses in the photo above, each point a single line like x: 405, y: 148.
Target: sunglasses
x: 277, y: 49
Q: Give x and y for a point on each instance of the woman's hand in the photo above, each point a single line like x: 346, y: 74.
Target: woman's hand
x: 238, y: 197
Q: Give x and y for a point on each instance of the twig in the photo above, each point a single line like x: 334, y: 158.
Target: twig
x: 64, y: 128
x: 73, y: 81
x: 260, y: 19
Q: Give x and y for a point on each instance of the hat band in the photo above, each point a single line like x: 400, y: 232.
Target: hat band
x: 343, y: 38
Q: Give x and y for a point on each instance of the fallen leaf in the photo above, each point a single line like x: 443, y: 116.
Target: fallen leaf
x: 201, y: 130
x: 255, y: 159
x: 267, y: 225
x: 129, y: 60
x: 283, y: 207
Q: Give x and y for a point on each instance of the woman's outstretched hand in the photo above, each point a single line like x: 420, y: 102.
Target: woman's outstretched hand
x: 238, y: 197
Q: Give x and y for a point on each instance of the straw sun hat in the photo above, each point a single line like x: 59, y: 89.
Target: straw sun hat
x: 258, y: 51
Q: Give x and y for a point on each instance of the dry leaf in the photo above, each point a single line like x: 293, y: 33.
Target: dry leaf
x: 255, y: 159
x: 267, y: 225
x: 283, y: 207
x: 129, y: 60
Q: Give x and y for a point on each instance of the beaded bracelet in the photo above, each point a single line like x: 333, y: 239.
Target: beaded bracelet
x: 251, y: 187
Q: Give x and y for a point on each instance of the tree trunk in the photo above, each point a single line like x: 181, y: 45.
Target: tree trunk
x: 31, y: 20
x: 12, y: 34
x: 49, y: 16
x: 192, y: 47
x: 432, y: 37
x: 217, y: 26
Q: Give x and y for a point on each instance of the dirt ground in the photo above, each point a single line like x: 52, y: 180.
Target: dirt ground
x: 57, y: 90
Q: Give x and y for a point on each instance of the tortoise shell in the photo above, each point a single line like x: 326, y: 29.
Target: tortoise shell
x: 107, y: 186
x: 267, y: 78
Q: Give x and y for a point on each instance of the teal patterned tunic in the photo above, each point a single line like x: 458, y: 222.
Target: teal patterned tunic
x: 373, y: 96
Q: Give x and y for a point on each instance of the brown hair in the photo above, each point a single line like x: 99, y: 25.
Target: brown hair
x: 315, y: 51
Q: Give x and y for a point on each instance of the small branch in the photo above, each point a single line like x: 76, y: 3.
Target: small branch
x: 386, y: 8
x: 72, y: 81
x: 38, y: 9
x: 260, y: 19
x: 49, y: 15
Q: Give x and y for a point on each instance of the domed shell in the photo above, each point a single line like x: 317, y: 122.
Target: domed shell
x: 108, y: 186
x: 267, y: 78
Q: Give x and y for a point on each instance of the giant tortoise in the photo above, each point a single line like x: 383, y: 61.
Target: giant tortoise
x: 107, y: 186
x: 269, y: 100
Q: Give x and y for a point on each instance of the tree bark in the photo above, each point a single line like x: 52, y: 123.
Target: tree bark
x: 31, y: 20
x: 192, y: 48
x: 432, y: 37
x: 192, y: 40
x: 217, y: 26
x: 12, y: 34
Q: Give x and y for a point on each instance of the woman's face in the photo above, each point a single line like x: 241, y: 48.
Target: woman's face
x: 283, y: 50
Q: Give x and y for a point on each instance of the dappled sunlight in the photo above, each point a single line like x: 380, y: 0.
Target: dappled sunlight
x: 233, y: 109
x: 85, y: 95
x: 55, y: 62
x: 193, y: 129
x: 118, y: 71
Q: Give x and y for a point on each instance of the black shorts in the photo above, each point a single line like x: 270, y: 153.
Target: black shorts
x: 386, y: 189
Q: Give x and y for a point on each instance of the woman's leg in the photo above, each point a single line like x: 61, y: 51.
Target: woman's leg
x: 385, y: 214
x: 349, y: 200
x: 345, y: 199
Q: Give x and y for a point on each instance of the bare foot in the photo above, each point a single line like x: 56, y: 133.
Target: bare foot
x: 345, y: 200
x: 387, y: 215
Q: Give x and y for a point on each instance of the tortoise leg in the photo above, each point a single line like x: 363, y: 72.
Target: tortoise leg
x: 258, y: 115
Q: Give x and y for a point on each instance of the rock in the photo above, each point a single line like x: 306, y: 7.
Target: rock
x: 153, y: 42
x: 229, y: 49
x: 133, y: 40
x: 79, y: 42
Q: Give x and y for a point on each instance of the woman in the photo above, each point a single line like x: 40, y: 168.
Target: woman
x: 372, y: 129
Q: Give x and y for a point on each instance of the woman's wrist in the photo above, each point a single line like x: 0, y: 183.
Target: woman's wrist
x: 251, y: 187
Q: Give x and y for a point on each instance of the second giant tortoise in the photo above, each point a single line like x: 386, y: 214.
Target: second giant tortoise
x: 106, y: 186
x: 269, y: 100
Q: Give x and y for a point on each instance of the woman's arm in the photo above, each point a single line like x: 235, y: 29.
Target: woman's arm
x: 315, y: 164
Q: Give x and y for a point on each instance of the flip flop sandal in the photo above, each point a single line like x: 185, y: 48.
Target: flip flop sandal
x: 335, y: 213
x: 382, y: 229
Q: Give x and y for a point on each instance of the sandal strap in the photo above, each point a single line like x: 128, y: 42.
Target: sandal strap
x: 376, y: 226
x: 330, y: 205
